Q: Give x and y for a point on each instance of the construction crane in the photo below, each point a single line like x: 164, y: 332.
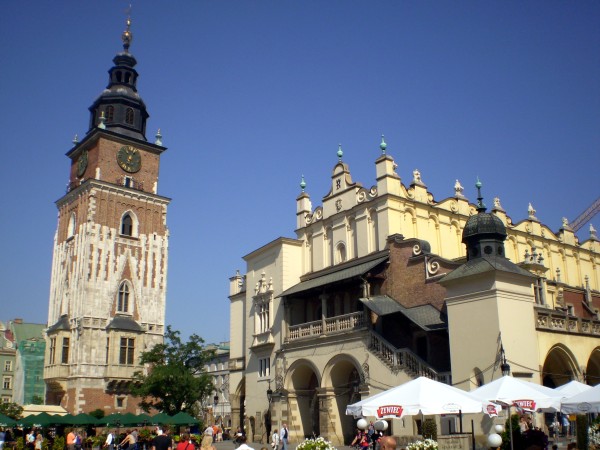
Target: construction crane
x: 586, y: 216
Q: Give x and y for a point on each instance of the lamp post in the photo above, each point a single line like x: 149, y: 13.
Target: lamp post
x: 215, y: 403
x: 268, y: 418
x: 504, y: 366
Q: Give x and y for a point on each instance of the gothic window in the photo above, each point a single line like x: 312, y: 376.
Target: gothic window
x: 107, y: 349
x: 129, y: 116
x: 123, y: 299
x: 52, y: 350
x: 110, y: 113
x: 127, y: 225
x: 65, y: 351
x: 71, y: 227
x: 262, y: 315
x: 126, y: 351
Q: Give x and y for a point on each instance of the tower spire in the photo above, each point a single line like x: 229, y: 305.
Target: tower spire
x: 123, y: 109
x: 480, y: 205
x: 127, y: 36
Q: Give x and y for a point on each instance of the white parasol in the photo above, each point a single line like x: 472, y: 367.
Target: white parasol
x: 420, y: 396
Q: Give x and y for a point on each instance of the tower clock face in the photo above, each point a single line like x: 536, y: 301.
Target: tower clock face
x: 82, y: 163
x: 129, y: 159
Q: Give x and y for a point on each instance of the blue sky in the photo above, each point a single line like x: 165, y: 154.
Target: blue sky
x: 250, y: 95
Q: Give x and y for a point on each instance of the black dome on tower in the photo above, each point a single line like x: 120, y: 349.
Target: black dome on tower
x: 484, y: 233
x: 119, y: 107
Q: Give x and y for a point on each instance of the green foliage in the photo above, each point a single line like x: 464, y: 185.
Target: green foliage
x: 176, y: 380
x: 20, y: 443
x: 37, y: 400
x: 97, y: 413
x: 12, y: 410
x: 145, y: 435
x: 59, y: 443
x: 429, y: 429
x: 581, y: 422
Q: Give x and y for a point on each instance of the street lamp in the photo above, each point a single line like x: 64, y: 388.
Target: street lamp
x: 504, y: 366
x: 269, y: 393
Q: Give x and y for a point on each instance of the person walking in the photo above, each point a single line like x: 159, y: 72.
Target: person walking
x: 284, y: 435
x: 39, y: 440
x: 71, y: 440
x: 275, y: 440
x: 162, y: 441
x: 109, y: 443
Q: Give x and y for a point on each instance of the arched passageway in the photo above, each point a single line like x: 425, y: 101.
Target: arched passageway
x: 345, y: 383
x: 559, y: 368
x: 304, y: 384
x: 592, y: 371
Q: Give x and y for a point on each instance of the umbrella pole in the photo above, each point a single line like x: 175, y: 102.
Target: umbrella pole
x: 510, y: 428
x: 460, y: 418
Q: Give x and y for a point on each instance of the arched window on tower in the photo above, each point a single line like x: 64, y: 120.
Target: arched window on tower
x: 71, y: 227
x: 127, y: 225
x: 110, y: 113
x: 129, y: 116
x: 123, y: 299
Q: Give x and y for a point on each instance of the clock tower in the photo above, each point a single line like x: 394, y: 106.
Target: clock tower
x: 109, y: 269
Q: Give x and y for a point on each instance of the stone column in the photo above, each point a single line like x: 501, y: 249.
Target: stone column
x: 323, y: 298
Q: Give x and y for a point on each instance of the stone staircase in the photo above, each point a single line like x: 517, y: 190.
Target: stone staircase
x: 403, y: 359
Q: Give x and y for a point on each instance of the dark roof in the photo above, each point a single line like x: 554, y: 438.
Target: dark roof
x: 62, y: 324
x: 485, y: 264
x: 343, y: 272
x: 483, y: 224
x: 426, y: 317
x: 124, y: 323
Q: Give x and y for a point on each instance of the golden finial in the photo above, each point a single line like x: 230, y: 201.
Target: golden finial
x: 127, y: 36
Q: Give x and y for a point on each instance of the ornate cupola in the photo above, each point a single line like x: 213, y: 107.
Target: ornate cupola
x: 119, y: 108
x: 484, y: 233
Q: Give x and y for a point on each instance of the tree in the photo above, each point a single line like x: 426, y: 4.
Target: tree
x: 37, y: 400
x: 12, y: 410
x: 176, y: 379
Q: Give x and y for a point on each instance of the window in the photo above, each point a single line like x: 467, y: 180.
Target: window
x: 71, y: 227
x: 123, y: 300
x: 7, y: 383
x: 65, y: 351
x: 8, y: 366
x: 52, y: 350
x: 129, y: 116
x: 262, y: 313
x: 110, y: 113
x: 127, y: 350
x: 127, y: 225
x: 107, y: 349
x: 120, y: 402
x: 264, y: 367
x: 6, y: 399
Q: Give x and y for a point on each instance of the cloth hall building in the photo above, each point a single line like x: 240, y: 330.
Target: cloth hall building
x: 384, y: 284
